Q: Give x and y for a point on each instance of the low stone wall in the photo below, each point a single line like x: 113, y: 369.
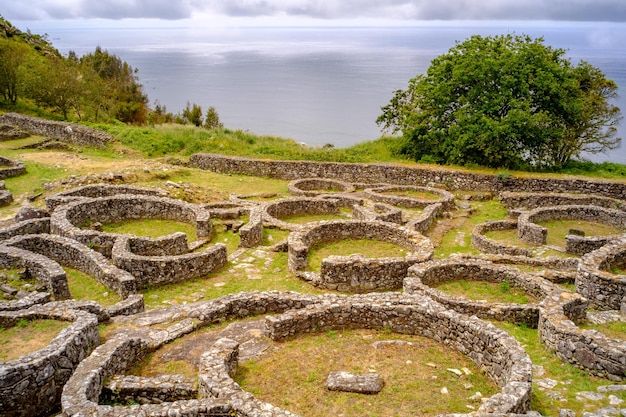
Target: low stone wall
x: 273, y: 212
x: 356, y: 273
x: 492, y: 349
x: 587, y: 349
x: 484, y: 244
x: 83, y: 391
x: 403, y: 175
x: 61, y: 131
x: 217, y: 367
x: 31, y: 385
x: 535, y: 234
x: 10, y: 168
x: 6, y: 197
x: 312, y: 187
x: 98, y: 191
x: 251, y: 234
x: 385, y: 194
x: 529, y: 201
x: 71, y: 253
x: 149, y: 270
x: 170, y: 245
x: 67, y: 219
x: 603, y: 289
x: 123, y: 389
x: 40, y: 268
x: 27, y: 227
x: 381, y: 211
x: 427, y: 218
x: 425, y: 277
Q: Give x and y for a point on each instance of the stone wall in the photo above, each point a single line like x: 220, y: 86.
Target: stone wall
x: 26, y: 227
x: 595, y: 281
x: 529, y: 201
x: 386, y: 195
x: 124, y: 389
x: 356, y: 273
x: 424, y: 278
x: 251, y: 234
x: 67, y: 219
x: 149, y: 270
x: 61, y: 131
x: 493, y: 350
x: 587, y: 349
x: 403, y: 175
x: 312, y: 187
x: 6, y: 197
x: 39, y: 267
x: 274, y: 212
x: 9, y: 168
x: 381, y: 211
x: 31, y: 385
x: 535, y: 234
x: 97, y: 191
x: 484, y: 244
x: 71, y: 253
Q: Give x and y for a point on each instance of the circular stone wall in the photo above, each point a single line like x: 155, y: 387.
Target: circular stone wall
x: 356, y: 273
x: 315, y: 186
x: 385, y: 194
x: 32, y: 384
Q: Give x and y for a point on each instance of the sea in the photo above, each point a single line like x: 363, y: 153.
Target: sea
x: 315, y: 85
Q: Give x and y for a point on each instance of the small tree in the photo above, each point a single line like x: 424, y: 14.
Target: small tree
x: 12, y: 56
x: 504, y: 101
x: 193, y: 114
x: 212, y: 119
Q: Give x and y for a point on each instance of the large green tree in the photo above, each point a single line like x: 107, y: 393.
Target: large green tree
x: 505, y: 101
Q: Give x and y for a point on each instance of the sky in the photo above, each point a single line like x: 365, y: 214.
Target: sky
x: 321, y: 11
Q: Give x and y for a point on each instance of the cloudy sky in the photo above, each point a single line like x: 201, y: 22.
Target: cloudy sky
x: 315, y: 10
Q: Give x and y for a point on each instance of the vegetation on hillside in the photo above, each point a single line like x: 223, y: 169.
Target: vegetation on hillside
x: 505, y: 102
x: 102, y: 91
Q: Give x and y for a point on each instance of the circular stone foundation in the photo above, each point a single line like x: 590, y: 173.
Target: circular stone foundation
x: 385, y: 195
x: 315, y: 186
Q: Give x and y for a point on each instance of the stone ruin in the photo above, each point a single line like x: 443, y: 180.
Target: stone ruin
x: 76, y: 373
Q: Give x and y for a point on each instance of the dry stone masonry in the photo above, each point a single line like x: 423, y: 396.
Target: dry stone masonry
x: 98, y: 384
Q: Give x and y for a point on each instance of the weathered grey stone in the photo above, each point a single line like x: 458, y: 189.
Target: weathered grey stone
x: 369, y: 383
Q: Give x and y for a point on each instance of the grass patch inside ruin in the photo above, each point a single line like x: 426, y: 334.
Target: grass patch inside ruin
x: 369, y: 248
x: 511, y: 238
x: 28, y: 336
x: 272, y: 236
x: 153, y: 228
x: 293, y: 376
x: 613, y: 329
x: 491, y: 292
x: 85, y: 288
x: 570, y: 380
x: 558, y: 229
x: 265, y: 272
x: 303, y: 218
x: 417, y: 194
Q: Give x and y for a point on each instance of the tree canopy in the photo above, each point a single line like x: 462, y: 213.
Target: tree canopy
x: 505, y: 101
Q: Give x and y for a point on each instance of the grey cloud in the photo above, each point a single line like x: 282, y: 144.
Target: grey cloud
x: 591, y: 10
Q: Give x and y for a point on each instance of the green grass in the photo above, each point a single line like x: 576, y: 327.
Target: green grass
x: 28, y: 336
x: 458, y: 240
x: 153, y: 228
x: 491, y: 292
x: 613, y: 329
x: 293, y: 375
x: 421, y: 195
x: 343, y: 214
x: 558, y: 229
x: 85, y: 288
x: 571, y: 379
x: 260, y: 274
x: 618, y: 270
x: 271, y: 236
x: 369, y: 248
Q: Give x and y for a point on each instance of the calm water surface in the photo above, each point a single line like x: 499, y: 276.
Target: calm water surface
x: 315, y: 85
